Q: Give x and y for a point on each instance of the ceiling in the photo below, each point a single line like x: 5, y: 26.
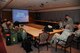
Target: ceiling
x: 37, y: 5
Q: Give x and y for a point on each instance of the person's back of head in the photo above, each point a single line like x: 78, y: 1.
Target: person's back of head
x: 16, y: 23
x: 67, y: 16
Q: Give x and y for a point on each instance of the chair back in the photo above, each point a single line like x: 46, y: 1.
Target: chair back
x: 78, y: 38
x: 70, y: 39
x: 43, y: 37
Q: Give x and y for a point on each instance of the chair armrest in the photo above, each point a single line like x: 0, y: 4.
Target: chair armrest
x: 76, y: 38
x: 61, y: 40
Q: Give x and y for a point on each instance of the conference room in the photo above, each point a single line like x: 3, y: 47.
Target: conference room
x: 39, y: 26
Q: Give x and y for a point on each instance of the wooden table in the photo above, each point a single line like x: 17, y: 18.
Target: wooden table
x: 35, y: 31
x: 47, y: 21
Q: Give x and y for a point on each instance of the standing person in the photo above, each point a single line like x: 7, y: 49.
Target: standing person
x: 69, y: 21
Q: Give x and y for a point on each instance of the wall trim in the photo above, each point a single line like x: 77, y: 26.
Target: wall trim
x: 60, y: 9
x: 57, y: 9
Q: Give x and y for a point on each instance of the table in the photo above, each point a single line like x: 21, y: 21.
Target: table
x: 35, y: 31
x: 44, y: 22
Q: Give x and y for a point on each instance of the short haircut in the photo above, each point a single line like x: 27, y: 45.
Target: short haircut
x: 66, y: 15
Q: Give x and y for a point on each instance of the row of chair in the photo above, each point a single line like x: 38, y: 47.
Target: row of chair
x: 44, y: 41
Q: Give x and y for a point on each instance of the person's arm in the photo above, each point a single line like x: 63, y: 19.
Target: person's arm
x: 77, y: 33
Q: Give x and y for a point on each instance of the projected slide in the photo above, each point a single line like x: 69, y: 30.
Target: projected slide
x: 20, y: 15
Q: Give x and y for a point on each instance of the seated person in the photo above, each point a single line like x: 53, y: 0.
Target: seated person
x: 16, y: 28
x: 16, y: 23
x: 56, y: 26
x: 48, y: 28
x: 77, y: 32
x: 4, y: 25
x: 7, y: 25
x: 63, y: 36
x: 75, y: 26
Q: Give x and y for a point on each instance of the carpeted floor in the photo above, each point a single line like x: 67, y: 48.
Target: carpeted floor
x: 2, y: 47
x: 16, y: 48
